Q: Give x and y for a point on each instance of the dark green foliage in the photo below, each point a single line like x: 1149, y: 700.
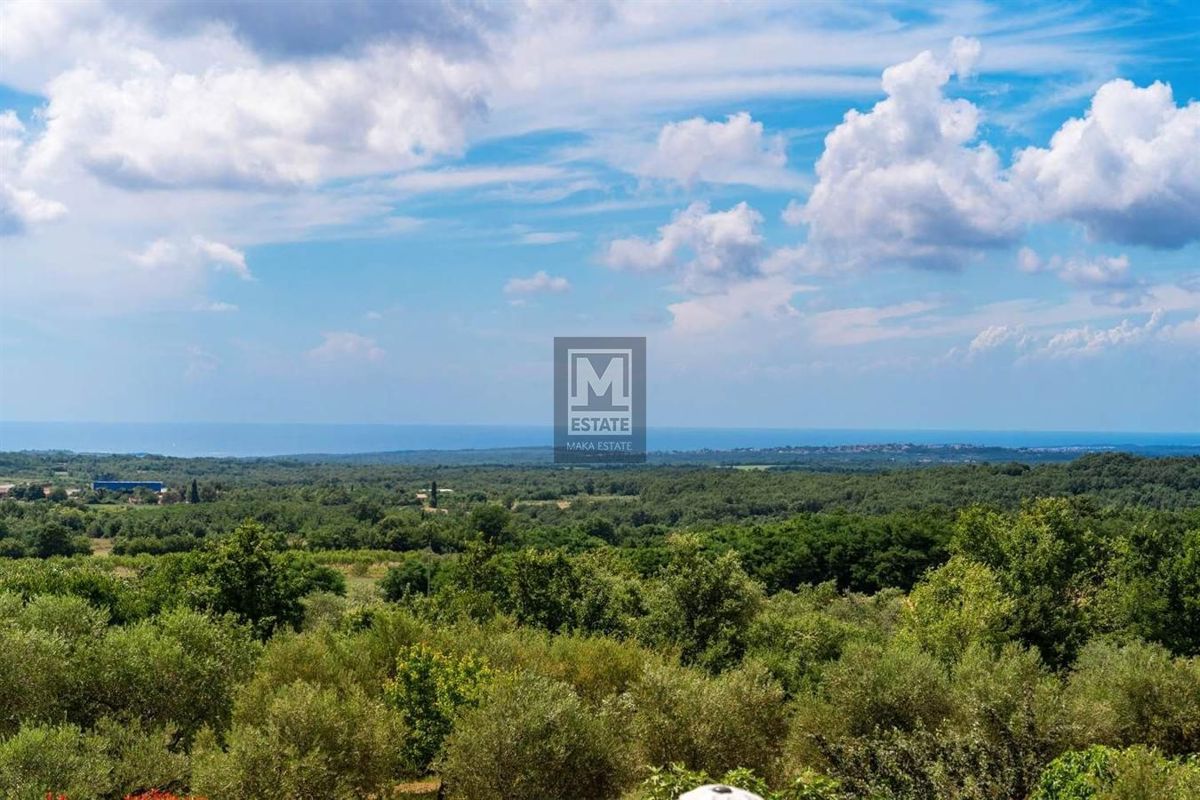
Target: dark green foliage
x: 702, y: 605
x: 863, y: 553
x: 918, y: 765
x: 934, y: 633
x: 1152, y: 586
x: 414, y: 575
x: 544, y: 590
x: 491, y: 522
x: 1049, y: 557
x: 797, y: 634
x: 251, y: 574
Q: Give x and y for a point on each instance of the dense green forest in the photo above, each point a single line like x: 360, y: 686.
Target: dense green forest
x: 298, y: 629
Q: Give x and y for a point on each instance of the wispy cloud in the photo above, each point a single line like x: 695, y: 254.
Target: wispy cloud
x: 344, y: 346
x: 455, y: 179
x: 200, y: 363
x: 548, y: 237
x: 541, y: 282
x: 217, y: 307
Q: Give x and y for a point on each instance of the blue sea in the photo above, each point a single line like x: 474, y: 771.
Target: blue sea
x: 268, y: 439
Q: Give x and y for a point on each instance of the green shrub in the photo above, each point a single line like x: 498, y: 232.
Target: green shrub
x: 531, y: 737
x: 1152, y: 585
x: 308, y: 742
x: 1135, y: 694
x: 179, y: 668
x: 1140, y: 773
x: 39, y: 760
x: 412, y: 576
x: 112, y: 761
x: 921, y: 764
x: 597, y: 667
x: 322, y: 657
x: 1045, y: 558
x: 251, y: 574
x: 880, y: 687
x: 34, y: 676
x: 142, y: 757
x: 1011, y: 706
x: 73, y: 618
x: 796, y: 641
x: 1102, y: 773
x: 669, y: 782
x: 701, y: 604
x: 124, y: 599
x: 710, y: 724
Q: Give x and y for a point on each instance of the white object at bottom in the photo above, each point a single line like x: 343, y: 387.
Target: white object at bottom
x: 719, y: 792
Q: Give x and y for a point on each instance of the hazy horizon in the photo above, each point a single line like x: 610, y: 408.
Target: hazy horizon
x: 249, y: 439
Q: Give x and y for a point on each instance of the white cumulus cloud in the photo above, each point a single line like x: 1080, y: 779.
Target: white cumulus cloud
x: 192, y: 255
x: 149, y: 124
x: 1128, y: 170
x: 1187, y: 332
x: 734, y: 151
x: 222, y: 256
x: 1110, y: 278
x: 904, y: 183
x: 20, y: 206
x: 1097, y: 273
x: 995, y: 337
x: 1087, y: 341
x: 707, y: 249
x: 719, y: 261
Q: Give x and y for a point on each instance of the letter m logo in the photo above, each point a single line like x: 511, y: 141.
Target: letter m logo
x: 600, y: 379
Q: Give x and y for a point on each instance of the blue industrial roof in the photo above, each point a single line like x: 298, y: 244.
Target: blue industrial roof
x: 127, y: 486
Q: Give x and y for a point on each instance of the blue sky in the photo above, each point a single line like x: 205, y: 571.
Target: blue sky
x: 894, y: 216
